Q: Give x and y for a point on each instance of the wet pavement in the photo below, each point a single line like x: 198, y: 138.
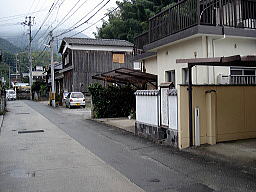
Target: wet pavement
x: 37, y: 156
x: 152, y: 167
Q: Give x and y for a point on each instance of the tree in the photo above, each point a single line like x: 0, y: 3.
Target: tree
x: 131, y: 19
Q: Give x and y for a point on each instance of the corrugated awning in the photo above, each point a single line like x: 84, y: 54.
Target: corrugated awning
x: 128, y: 76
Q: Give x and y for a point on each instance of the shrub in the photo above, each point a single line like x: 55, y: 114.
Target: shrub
x: 112, y: 101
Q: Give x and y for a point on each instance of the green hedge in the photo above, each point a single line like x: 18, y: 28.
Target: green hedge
x: 112, y: 101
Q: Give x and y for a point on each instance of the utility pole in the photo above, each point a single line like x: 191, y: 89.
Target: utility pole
x: 16, y: 66
x: 29, y: 23
x: 9, y: 76
x: 52, y: 69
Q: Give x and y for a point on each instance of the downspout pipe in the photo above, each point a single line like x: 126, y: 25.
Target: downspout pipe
x: 191, y: 135
x: 213, y: 49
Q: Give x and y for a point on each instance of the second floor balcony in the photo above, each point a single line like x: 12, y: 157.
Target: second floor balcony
x: 188, y: 13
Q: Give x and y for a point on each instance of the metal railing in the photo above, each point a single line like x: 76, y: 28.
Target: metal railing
x: 242, y: 79
x: 139, y: 42
x: 179, y: 17
x: 188, y: 13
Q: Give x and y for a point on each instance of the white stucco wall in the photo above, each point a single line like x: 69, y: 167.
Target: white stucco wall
x: 203, y: 46
x: 228, y: 46
x: 151, y: 65
x: 166, y: 58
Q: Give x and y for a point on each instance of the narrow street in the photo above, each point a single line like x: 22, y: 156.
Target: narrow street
x: 77, y: 154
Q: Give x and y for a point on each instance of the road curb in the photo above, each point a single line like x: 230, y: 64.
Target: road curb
x: 109, y: 125
x: 1, y: 121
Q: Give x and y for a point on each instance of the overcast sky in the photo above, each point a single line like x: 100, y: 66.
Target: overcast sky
x: 11, y: 8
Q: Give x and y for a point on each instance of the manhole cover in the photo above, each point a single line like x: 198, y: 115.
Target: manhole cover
x: 31, y: 131
x: 197, y: 187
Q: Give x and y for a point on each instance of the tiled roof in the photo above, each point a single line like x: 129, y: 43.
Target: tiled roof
x: 102, y: 42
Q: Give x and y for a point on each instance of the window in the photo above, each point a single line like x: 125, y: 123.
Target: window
x: 236, y: 72
x: 242, y: 71
x: 77, y: 95
x: 170, y: 76
x: 185, y: 76
x: 249, y: 72
x: 67, y: 59
x: 118, y: 58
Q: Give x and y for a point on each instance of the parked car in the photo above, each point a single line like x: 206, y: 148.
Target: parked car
x: 75, y: 99
x: 11, y: 94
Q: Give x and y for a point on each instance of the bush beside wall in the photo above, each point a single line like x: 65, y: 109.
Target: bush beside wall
x: 112, y: 101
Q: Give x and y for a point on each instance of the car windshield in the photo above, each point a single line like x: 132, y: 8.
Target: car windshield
x: 77, y: 95
x: 11, y: 92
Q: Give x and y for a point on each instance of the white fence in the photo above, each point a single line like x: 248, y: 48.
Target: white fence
x: 149, y: 104
x: 147, y: 107
x: 173, y: 110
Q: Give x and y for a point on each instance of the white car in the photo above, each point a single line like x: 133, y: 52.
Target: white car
x: 11, y: 94
x: 75, y: 99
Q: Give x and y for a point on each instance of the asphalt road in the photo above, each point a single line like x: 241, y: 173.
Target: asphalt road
x: 152, y: 167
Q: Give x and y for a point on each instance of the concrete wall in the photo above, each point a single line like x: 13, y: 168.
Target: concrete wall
x: 147, y: 109
x: 150, y: 65
x: 226, y: 113
x: 166, y: 58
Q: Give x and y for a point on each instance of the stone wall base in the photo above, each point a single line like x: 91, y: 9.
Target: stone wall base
x: 157, y: 134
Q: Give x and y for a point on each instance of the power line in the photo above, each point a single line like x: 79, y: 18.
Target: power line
x: 41, y: 53
x: 85, y: 21
x: 95, y: 22
x: 36, y: 5
x: 13, y: 17
x: 61, y: 22
x: 31, y: 6
x: 47, y: 16
x: 88, y: 13
x: 46, y: 31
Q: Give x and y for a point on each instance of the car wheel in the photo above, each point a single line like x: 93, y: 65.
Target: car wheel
x: 69, y: 106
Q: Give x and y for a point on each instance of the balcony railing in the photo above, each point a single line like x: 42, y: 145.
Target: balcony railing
x: 139, y: 42
x: 188, y: 13
x: 177, y: 18
x: 242, y: 79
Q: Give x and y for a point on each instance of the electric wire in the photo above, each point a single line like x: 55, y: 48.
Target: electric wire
x: 3, y: 19
x: 88, y: 13
x: 47, y: 16
x: 95, y: 22
x: 61, y: 22
x: 84, y: 21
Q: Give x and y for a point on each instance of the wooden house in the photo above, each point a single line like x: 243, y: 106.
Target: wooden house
x: 83, y: 58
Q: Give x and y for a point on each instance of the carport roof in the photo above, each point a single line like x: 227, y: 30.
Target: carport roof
x: 126, y: 76
x: 236, y: 60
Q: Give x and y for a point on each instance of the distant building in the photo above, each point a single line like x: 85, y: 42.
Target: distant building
x: 38, y: 74
x: 58, y: 77
x: 83, y: 57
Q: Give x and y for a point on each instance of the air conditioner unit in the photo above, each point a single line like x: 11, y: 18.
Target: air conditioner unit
x: 222, y: 79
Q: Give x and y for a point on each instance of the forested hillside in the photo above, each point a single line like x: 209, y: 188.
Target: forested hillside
x: 6, y: 46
